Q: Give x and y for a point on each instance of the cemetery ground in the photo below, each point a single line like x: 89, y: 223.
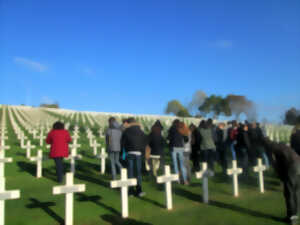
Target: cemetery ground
x: 100, y: 204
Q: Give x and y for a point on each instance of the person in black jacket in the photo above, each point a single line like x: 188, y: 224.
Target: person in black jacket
x: 156, y: 143
x: 286, y: 163
x: 242, y: 147
x: 195, y: 156
x: 134, y: 142
x: 295, y: 139
x: 221, y: 146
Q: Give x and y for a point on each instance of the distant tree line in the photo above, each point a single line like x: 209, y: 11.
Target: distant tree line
x: 214, y: 106
x: 52, y: 105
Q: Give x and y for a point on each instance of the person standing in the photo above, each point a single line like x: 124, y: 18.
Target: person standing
x: 134, y: 142
x: 221, y: 146
x: 59, y: 138
x: 156, y: 143
x: 207, y: 145
x: 243, y: 147
x: 113, y: 145
x: 295, y: 139
x: 176, y: 144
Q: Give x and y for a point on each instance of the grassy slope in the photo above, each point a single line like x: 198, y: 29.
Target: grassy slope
x: 101, y: 205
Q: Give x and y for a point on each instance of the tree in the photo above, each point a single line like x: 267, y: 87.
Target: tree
x: 215, y: 105
x: 52, y: 105
x: 176, y: 108
x: 240, y: 104
x: 197, y: 100
x: 292, y: 116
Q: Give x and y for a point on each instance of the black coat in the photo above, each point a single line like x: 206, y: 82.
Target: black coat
x: 156, y: 143
x: 295, y: 141
x: 175, y: 138
x: 134, y: 139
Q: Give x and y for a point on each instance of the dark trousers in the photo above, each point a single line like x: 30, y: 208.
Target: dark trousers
x: 242, y: 156
x: 292, y: 195
x: 59, y: 169
x: 209, y: 157
x: 135, y: 170
x: 222, y: 157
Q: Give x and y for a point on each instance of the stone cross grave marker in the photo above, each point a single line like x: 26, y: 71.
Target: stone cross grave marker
x: 123, y: 184
x: 5, y: 195
x: 38, y: 159
x: 167, y: 179
x: 95, y: 146
x: 28, y: 147
x: 234, y: 171
x: 102, y: 156
x: 69, y: 189
x: 42, y: 138
x: 260, y: 168
x: 73, y: 157
x: 3, y: 159
x: 75, y: 146
x: 204, y: 174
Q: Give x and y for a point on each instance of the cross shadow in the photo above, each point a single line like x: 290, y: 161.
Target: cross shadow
x: 45, y: 206
x: 27, y: 167
x: 117, y: 220
x: 96, y: 200
x: 91, y: 179
x: 244, y: 210
x: 187, y: 194
x: 156, y: 203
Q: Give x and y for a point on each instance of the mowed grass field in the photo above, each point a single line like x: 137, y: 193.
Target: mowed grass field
x: 102, y: 205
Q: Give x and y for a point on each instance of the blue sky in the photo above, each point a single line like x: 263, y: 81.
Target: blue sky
x: 135, y: 56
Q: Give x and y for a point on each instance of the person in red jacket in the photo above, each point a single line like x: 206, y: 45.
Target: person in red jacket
x: 59, y: 138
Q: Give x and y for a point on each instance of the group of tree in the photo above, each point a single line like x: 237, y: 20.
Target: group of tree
x: 51, y: 105
x: 292, y: 116
x: 214, y: 106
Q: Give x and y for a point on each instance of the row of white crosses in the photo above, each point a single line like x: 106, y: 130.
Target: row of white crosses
x: 4, y: 194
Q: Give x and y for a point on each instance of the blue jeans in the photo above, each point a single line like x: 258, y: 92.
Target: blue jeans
x: 233, y: 151
x: 114, y: 161
x: 135, y: 167
x: 179, y: 153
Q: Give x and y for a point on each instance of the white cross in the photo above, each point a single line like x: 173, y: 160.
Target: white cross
x: 41, y: 137
x: 75, y: 146
x: 72, y: 157
x: 102, y: 156
x: 259, y: 169
x: 38, y: 159
x: 69, y: 189
x: 22, y: 140
x: 235, y: 172
x: 34, y: 133
x: 204, y: 174
x: 167, y: 179
x: 3, y: 160
x: 5, y: 195
x: 28, y: 147
x: 123, y: 184
x: 95, y: 145
x: 75, y: 137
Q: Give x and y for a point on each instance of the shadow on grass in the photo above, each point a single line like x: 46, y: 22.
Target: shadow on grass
x: 244, y: 210
x: 96, y: 200
x: 91, y: 179
x: 31, y: 169
x: 187, y: 194
x: 117, y: 220
x: 45, y: 206
x: 152, y: 202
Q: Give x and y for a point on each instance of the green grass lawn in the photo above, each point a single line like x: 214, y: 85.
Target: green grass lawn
x: 101, y: 204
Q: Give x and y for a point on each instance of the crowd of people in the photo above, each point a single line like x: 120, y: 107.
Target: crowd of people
x: 130, y: 147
